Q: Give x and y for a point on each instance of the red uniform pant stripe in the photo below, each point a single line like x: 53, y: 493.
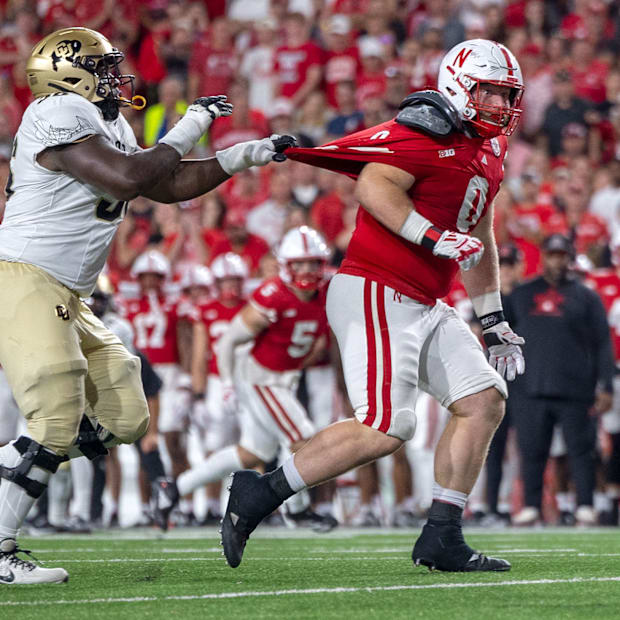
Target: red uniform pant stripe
x: 274, y: 415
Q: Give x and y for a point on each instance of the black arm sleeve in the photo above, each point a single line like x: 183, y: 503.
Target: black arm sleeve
x: 150, y: 379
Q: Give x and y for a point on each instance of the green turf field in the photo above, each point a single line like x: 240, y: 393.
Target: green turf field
x: 568, y: 573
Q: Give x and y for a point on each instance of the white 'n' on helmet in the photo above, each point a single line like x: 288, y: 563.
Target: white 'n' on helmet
x: 472, y: 63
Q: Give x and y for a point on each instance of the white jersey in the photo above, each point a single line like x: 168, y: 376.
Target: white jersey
x: 52, y: 220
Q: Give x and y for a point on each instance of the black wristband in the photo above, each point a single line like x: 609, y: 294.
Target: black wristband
x: 431, y: 237
x: 198, y: 396
x: 491, y: 319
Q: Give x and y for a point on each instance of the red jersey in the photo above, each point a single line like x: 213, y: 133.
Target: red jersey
x: 606, y: 282
x: 456, y: 179
x: 339, y: 67
x: 155, y: 320
x: 292, y: 64
x: 216, y: 317
x: 295, y: 325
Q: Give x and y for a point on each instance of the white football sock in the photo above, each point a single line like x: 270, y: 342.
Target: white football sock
x: 14, y: 501
x: 449, y: 496
x: 217, y: 466
x: 58, y: 494
x: 298, y: 503
x: 82, y: 477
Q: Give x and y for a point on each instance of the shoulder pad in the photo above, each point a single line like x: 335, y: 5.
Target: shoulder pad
x: 429, y: 111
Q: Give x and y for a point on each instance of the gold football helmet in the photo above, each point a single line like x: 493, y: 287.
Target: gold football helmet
x: 81, y: 61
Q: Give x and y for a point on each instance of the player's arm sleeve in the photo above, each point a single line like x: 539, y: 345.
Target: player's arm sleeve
x: 243, y: 328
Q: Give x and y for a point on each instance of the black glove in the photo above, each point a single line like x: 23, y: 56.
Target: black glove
x: 217, y: 105
x: 280, y: 144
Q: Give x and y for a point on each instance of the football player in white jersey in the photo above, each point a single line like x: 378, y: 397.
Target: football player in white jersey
x: 75, y: 163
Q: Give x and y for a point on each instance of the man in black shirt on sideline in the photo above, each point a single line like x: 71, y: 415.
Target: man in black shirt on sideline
x: 570, y: 363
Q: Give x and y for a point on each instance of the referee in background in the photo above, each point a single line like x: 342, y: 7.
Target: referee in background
x: 570, y: 370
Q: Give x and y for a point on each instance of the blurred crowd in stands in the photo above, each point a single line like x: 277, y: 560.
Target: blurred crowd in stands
x: 321, y: 69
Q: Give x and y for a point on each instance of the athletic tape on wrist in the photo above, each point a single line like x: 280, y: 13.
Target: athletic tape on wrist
x: 414, y: 227
x: 487, y: 303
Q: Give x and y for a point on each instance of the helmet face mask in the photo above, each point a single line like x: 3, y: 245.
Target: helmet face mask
x: 307, y: 279
x: 303, y: 255
x: 463, y: 74
x: 80, y: 61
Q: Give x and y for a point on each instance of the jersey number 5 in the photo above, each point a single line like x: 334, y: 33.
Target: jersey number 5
x: 302, y: 338
x: 109, y: 211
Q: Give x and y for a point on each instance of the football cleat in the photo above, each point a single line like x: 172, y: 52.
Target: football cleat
x: 442, y: 547
x: 251, y: 500
x: 15, y: 571
x: 313, y: 520
x: 164, y: 497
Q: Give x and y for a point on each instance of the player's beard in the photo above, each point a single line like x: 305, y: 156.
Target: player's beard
x: 109, y: 108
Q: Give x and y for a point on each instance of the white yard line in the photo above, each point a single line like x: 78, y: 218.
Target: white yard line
x: 252, y: 594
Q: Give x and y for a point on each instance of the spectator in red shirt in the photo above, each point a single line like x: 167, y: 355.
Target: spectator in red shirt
x: 327, y: 212
x: 371, y: 81
x: 237, y: 239
x: 588, y: 72
x: 245, y: 124
x: 342, y: 62
x: 213, y: 63
x: 298, y: 62
x: 413, y: 66
x: 589, y: 231
x: 10, y: 109
x: 526, y: 220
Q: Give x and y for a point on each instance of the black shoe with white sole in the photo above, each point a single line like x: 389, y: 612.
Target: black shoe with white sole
x: 313, y: 520
x: 251, y: 500
x: 443, y: 547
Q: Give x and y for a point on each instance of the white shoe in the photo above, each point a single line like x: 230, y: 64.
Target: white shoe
x: 14, y: 571
x: 526, y: 516
x: 585, y: 515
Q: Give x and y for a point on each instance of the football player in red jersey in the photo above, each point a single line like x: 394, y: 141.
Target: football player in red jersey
x: 285, y: 321
x: 228, y: 273
x: 606, y: 282
x: 426, y: 182
x: 170, y: 334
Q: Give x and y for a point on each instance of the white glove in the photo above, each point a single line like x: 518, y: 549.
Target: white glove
x: 229, y: 399
x: 195, y: 122
x: 505, y: 354
x: 465, y: 250
x: 247, y: 154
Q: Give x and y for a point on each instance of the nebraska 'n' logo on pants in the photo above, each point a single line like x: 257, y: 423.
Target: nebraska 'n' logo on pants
x: 392, y: 346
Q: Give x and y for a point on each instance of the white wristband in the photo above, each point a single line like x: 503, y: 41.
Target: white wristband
x: 487, y: 303
x: 414, y: 227
x: 186, y: 133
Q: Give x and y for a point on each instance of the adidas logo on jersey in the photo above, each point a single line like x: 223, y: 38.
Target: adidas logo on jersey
x: 447, y: 153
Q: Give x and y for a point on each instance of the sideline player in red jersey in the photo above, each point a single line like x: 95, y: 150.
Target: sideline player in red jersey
x: 285, y: 318
x: 171, y: 336
x: 426, y: 181
x: 606, y: 282
x: 228, y: 272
